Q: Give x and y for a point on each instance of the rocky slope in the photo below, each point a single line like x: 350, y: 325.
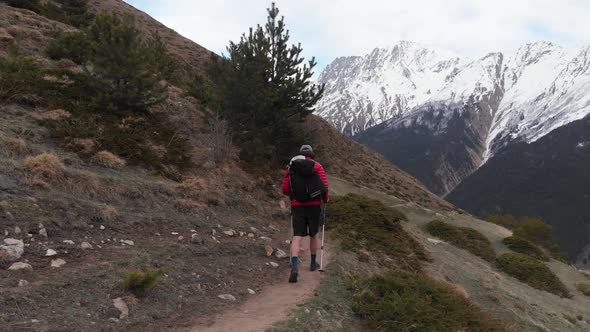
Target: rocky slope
x: 413, y: 99
x: 548, y: 178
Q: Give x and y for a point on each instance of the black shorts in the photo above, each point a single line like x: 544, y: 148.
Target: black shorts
x: 306, y: 220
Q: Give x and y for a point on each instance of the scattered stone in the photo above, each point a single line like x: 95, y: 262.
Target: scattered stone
x: 280, y: 254
x: 242, y: 233
x: 229, y: 233
x: 43, y: 232
x: 120, y: 304
x: 34, y: 321
x: 319, y: 313
x: 227, y: 297
x: 194, y: 238
x: 128, y: 242
x: 273, y: 264
x: 23, y: 283
x: 20, y: 266
x: 85, y: 245
x: 218, y: 225
x: 180, y: 238
x: 253, y: 229
x: 251, y: 235
x: 269, y: 250
x: 9, y: 215
x: 102, y: 228
x: 69, y: 242
x: 114, y: 320
x: 58, y: 263
x: 282, y: 205
x: 12, y: 250
x: 193, y: 230
x: 17, y: 230
x: 251, y: 291
x: 265, y: 238
x: 50, y: 252
x: 174, y: 233
x: 213, y: 232
x: 435, y: 241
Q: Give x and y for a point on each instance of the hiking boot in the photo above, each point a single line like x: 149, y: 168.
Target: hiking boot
x: 314, y: 266
x: 293, y: 276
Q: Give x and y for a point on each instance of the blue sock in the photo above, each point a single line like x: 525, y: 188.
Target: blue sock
x: 313, y: 259
x: 295, y: 263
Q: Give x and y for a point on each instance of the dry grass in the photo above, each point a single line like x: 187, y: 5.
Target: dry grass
x: 105, y: 213
x: 12, y: 146
x: 192, y: 188
x: 53, y: 115
x: 43, y: 169
x: 109, y: 160
x: 189, y: 206
x: 81, y: 145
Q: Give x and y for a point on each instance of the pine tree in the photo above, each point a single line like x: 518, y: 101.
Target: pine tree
x: 120, y: 66
x: 267, y: 89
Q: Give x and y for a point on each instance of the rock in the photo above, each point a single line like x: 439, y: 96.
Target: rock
x: 269, y: 250
x: 265, y: 238
x: 58, y: 263
x: 180, y: 238
x: 194, y: 238
x: 85, y: 245
x: 102, y: 228
x: 213, y: 232
x: 50, y: 252
x: 43, y: 232
x: 280, y: 254
x: 20, y: 266
x: 174, y: 233
x: 17, y: 230
x: 435, y: 241
x: 70, y: 242
x: 227, y: 297
x: 114, y: 320
x: 12, y: 250
x: 229, y: 233
x: 307, y: 311
x: 251, y: 235
x: 23, y: 283
x: 242, y: 233
x: 128, y: 242
x: 273, y: 264
x: 251, y: 291
x: 253, y: 229
x: 120, y: 304
x: 282, y: 205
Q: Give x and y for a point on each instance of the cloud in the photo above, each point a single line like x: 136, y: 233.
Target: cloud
x: 332, y: 28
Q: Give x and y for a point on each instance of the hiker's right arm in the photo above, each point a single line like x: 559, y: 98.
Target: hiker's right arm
x: 287, y: 183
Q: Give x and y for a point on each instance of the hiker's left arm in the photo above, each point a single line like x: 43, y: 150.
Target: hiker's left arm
x: 286, y: 183
x: 322, y: 174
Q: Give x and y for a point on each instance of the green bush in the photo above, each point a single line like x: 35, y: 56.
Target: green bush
x: 400, y: 301
x: 464, y: 238
x: 139, y: 282
x: 532, y: 272
x: 72, y: 45
x: 526, y: 247
x: 363, y: 223
x: 21, y: 79
x: 505, y: 220
x: 584, y: 288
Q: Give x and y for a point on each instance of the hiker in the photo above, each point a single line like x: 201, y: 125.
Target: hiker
x: 306, y: 184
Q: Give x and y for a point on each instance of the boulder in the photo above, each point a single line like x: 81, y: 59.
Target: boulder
x: 120, y: 304
x: 50, y: 253
x: 227, y: 297
x: 58, y: 263
x: 86, y: 245
x: 20, y: 266
x: 12, y: 250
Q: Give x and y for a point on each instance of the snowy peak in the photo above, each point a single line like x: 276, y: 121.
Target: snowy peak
x: 539, y: 88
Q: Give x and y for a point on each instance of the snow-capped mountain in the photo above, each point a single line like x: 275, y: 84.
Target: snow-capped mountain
x: 440, y: 116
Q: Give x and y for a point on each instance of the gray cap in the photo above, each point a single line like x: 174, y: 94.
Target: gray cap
x: 306, y: 150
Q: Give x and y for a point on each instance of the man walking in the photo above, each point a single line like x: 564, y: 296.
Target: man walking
x: 306, y: 184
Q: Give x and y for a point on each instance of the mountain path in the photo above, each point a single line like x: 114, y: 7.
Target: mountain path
x: 272, y: 304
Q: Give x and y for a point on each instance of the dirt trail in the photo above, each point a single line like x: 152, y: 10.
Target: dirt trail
x: 272, y: 304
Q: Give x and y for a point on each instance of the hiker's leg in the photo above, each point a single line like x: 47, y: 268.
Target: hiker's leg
x: 299, y: 231
x: 313, y: 218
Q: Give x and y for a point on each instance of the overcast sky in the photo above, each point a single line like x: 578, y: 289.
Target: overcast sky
x: 331, y: 28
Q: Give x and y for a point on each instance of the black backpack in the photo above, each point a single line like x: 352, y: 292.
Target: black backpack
x: 306, y: 185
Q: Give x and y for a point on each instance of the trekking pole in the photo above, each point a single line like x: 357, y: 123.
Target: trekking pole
x: 323, y: 231
x: 291, y: 241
